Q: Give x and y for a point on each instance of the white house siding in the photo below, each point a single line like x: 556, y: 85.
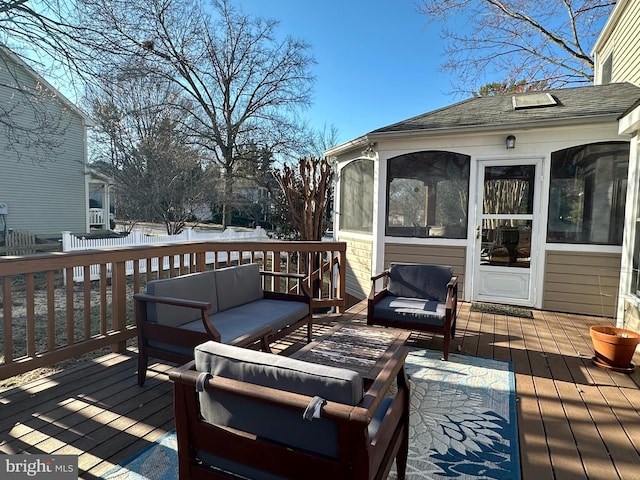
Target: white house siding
x: 620, y: 38
x: 45, y: 193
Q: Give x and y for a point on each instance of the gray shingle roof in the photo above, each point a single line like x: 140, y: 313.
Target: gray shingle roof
x: 493, y: 111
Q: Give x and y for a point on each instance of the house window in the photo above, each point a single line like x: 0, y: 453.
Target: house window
x: 427, y: 195
x: 587, y: 193
x: 356, y: 197
x: 605, y: 76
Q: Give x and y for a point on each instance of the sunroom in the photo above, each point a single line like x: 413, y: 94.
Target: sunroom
x: 523, y: 195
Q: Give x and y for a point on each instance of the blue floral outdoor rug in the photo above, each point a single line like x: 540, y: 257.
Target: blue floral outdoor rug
x: 463, y: 424
x: 463, y: 421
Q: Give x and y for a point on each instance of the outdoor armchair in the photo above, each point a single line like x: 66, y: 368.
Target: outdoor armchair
x: 248, y: 414
x: 416, y: 297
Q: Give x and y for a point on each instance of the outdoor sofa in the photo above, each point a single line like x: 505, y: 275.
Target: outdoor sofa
x: 228, y: 305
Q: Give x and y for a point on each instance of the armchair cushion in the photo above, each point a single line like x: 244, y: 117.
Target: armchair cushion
x: 238, y: 285
x: 196, y: 286
x: 415, y: 310
x: 419, y: 281
x: 283, y: 373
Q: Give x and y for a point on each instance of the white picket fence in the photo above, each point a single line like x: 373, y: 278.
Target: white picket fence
x: 72, y: 243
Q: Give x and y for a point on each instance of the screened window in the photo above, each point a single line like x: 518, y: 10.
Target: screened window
x: 427, y: 195
x: 587, y: 194
x: 356, y: 197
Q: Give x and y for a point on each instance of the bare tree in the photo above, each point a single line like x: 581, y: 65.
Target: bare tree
x: 306, y: 188
x: 159, y: 176
x: 545, y: 42
x: 244, y: 85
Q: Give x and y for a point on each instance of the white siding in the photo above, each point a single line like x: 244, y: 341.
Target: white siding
x: 621, y: 39
x: 44, y: 189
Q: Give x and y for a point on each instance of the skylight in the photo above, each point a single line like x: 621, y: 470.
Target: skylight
x: 533, y: 100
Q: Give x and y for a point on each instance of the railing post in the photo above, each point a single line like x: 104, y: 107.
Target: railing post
x: 119, y: 302
x: 66, y: 241
x: 342, y: 280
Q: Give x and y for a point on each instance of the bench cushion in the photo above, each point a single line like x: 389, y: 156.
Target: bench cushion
x: 275, y: 313
x: 414, y: 310
x: 283, y: 373
x: 419, y: 281
x: 195, y: 286
x: 231, y: 325
x: 238, y: 285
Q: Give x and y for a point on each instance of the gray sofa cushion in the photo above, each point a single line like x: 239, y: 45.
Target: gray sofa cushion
x: 238, y: 285
x: 270, y: 422
x: 413, y: 280
x: 275, y: 313
x: 196, y: 286
x: 414, y: 310
x: 231, y: 325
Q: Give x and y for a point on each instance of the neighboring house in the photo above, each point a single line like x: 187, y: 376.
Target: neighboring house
x: 100, y: 195
x: 43, y: 174
x: 617, y: 58
x: 616, y: 53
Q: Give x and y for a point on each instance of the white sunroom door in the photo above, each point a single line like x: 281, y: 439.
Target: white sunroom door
x: 504, y: 270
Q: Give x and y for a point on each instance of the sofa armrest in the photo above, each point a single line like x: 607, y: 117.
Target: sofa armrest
x: 452, y: 293
x: 295, y: 276
x: 393, y: 370
x: 142, y: 299
x: 380, y: 275
x: 375, y: 296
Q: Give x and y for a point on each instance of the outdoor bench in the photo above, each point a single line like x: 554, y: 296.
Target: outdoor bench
x: 227, y: 305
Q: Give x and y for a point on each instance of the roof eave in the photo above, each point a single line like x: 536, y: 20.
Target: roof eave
x: 348, y: 146
x: 612, y: 21
x: 629, y: 123
x: 88, y: 122
x: 431, y: 132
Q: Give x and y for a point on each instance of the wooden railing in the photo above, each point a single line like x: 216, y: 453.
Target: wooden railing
x: 46, y: 320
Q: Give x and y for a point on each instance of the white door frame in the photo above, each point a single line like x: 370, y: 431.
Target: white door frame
x: 526, y: 280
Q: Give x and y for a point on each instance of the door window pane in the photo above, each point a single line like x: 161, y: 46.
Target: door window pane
x: 506, y: 243
x: 508, y: 190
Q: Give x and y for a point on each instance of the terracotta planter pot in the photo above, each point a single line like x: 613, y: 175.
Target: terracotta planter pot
x: 614, y: 347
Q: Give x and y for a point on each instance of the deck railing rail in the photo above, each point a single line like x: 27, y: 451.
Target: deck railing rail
x: 45, y: 321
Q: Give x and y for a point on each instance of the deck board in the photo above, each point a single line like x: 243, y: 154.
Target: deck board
x: 575, y: 420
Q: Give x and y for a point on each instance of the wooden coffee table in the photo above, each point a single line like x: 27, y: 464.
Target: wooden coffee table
x: 356, y: 347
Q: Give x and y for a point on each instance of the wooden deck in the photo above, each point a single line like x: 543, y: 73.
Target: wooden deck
x: 576, y: 420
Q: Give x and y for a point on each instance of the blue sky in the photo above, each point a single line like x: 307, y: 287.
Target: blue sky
x: 377, y: 60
